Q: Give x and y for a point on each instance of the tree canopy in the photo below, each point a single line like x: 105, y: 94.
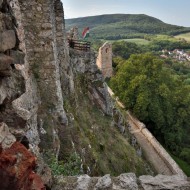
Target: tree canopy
x: 155, y: 96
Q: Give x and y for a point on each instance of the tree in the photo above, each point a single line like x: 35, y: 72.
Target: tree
x: 154, y: 96
x: 125, y: 49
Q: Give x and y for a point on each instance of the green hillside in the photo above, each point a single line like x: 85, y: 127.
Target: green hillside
x: 122, y: 26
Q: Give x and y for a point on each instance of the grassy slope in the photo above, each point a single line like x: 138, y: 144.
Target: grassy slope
x: 106, y: 150
x: 134, y: 40
x: 185, y: 36
x: 122, y: 24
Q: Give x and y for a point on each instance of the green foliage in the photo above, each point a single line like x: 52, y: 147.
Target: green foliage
x: 184, y: 165
x: 156, y: 43
x: 103, y: 148
x: 185, y: 155
x: 155, y: 96
x: 125, y: 49
x: 69, y: 168
x: 123, y: 26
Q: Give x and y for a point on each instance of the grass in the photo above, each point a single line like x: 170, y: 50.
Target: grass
x: 100, y: 144
x: 185, y: 36
x: 139, y: 41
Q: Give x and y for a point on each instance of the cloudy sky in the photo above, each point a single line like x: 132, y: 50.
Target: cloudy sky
x: 170, y: 11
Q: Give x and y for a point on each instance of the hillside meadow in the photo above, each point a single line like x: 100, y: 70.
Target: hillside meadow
x: 185, y: 36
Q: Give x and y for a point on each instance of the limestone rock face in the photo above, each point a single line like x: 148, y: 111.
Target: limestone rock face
x: 85, y: 64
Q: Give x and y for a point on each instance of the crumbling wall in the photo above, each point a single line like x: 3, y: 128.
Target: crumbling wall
x: 104, y: 60
x: 40, y: 28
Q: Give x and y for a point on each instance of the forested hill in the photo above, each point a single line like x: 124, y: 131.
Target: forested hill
x: 117, y: 26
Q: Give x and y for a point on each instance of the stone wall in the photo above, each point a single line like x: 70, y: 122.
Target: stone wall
x: 12, y: 82
x: 127, y: 181
x: 148, y: 139
x: 40, y: 28
x: 157, y: 146
x: 104, y: 60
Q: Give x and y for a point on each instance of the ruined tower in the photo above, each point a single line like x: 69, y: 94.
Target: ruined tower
x: 104, y: 60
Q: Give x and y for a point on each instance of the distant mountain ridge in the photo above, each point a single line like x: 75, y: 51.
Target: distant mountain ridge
x: 124, y: 26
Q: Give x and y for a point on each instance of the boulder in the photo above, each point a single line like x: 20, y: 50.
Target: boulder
x: 128, y: 181
x: 83, y: 182
x: 104, y: 182
x: 7, y: 40
x: 174, y: 182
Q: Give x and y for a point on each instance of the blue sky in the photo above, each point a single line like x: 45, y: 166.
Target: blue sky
x: 170, y: 11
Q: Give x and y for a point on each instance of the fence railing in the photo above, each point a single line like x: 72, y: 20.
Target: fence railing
x: 79, y: 45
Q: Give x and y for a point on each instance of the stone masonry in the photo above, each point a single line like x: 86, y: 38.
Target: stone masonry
x: 40, y: 28
x: 104, y: 60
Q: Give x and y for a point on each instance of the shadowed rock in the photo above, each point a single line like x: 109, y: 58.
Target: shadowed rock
x: 7, y: 40
x: 5, y: 62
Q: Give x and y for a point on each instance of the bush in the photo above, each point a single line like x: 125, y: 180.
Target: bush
x: 71, y: 167
x: 185, y: 155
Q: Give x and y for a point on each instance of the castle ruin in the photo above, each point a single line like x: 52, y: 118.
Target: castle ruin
x: 104, y: 60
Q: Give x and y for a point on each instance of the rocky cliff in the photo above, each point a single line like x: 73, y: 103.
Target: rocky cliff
x: 54, y: 103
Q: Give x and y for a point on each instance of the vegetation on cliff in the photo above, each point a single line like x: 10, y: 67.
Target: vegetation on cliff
x: 100, y: 145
